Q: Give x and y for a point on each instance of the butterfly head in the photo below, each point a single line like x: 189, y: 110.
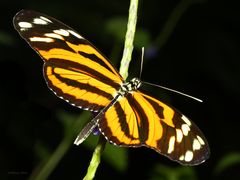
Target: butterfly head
x: 130, y: 86
x: 135, y: 83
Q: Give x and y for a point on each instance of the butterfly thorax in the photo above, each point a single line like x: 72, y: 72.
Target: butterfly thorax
x: 129, y: 86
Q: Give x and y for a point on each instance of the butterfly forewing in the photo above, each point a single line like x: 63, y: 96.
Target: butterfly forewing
x: 73, y: 68
x: 78, y: 73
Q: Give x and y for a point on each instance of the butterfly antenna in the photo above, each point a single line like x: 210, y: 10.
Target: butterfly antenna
x: 140, y: 73
x: 172, y: 90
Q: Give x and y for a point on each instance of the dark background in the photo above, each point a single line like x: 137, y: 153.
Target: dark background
x: 201, y: 57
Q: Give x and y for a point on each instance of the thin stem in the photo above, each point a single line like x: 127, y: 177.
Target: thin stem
x: 128, y: 46
x: 172, y: 21
x: 96, y: 159
x: 54, y: 159
x: 45, y: 168
x: 127, y: 55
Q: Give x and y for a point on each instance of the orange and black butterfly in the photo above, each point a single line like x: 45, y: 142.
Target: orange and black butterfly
x: 79, y: 74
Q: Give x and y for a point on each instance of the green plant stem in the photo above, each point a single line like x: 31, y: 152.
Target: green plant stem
x: 96, y: 158
x: 172, y: 21
x: 46, y: 167
x: 50, y: 165
x: 128, y: 45
x: 127, y: 55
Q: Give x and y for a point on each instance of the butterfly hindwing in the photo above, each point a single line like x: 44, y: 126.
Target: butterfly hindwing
x: 141, y: 120
x: 73, y: 68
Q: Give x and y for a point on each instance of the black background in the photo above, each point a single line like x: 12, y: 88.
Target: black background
x: 201, y: 57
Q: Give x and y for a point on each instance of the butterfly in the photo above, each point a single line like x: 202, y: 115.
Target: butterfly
x: 79, y: 74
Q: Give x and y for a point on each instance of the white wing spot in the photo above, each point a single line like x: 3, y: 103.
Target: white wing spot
x: 41, y: 39
x: 196, y: 145
x: 61, y: 32
x: 179, y: 135
x: 188, y: 156
x: 186, y: 120
x: 75, y: 34
x: 200, y: 140
x: 53, y: 35
x: 185, y: 129
x: 171, y: 144
x: 45, y: 19
x: 181, y: 158
x: 25, y: 25
x: 40, y: 21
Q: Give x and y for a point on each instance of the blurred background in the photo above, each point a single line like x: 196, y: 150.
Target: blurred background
x: 190, y: 45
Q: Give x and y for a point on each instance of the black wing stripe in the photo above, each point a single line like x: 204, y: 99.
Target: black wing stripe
x: 158, y: 109
x: 83, y: 86
x: 77, y: 67
x: 143, y: 126
x: 94, y: 58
